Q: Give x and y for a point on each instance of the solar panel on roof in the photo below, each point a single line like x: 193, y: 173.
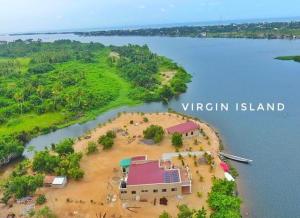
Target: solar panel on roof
x: 171, y: 176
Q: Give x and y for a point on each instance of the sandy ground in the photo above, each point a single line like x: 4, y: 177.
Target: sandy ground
x: 87, y: 198
x: 167, y: 76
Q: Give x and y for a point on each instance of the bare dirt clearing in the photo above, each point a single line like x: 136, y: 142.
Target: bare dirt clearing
x: 166, y: 76
x: 88, y: 197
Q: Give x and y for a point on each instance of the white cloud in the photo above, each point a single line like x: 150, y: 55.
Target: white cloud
x: 163, y: 10
x: 59, y: 17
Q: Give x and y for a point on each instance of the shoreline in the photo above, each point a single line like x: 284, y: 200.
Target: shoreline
x: 204, y: 38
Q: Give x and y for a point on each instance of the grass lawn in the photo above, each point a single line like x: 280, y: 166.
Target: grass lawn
x: 30, y: 121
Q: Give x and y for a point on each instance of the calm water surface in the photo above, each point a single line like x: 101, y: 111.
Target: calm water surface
x: 233, y: 70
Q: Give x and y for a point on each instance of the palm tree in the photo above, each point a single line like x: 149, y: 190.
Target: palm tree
x: 57, y: 88
x: 19, y: 97
x: 40, y: 91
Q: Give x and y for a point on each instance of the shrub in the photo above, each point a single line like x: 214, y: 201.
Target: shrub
x: 166, y: 92
x: 195, y: 142
x: 106, y: 141
x: 177, y: 139
x: 41, y: 199
x: 145, y: 119
x: 65, y: 147
x: 186, y: 212
x: 41, y: 68
x: 92, y: 148
x: 22, y: 186
x: 76, y: 173
x: 111, y: 134
x: 45, y: 212
x: 43, y: 161
x: 222, y: 200
x: 70, y: 166
x: 165, y: 215
x: 232, y: 170
x: 154, y: 132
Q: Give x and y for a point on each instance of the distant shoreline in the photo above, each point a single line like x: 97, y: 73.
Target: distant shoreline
x: 259, y: 30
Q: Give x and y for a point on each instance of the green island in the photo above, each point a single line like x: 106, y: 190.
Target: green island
x: 289, y: 58
x: 49, y: 85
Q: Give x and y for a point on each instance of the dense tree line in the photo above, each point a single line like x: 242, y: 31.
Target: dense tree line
x: 56, y: 52
x: 140, y: 66
x: 30, y: 83
x: 270, y: 30
x: 42, y: 88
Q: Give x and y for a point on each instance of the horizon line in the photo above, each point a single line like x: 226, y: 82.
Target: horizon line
x: 162, y: 25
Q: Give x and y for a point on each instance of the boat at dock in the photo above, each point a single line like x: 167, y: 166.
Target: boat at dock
x: 235, y: 158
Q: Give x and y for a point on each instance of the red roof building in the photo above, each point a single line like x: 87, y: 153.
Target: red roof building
x: 153, y: 178
x: 183, y: 128
x: 136, y: 158
x: 145, y: 173
x: 150, y: 172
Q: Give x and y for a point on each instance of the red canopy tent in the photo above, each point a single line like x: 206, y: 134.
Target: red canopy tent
x: 224, y: 166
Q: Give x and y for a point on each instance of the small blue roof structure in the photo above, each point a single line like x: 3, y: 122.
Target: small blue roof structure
x: 125, y: 162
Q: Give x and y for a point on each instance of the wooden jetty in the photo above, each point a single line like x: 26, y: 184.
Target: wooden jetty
x: 235, y: 158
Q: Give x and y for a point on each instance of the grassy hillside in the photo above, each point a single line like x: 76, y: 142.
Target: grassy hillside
x: 45, y: 86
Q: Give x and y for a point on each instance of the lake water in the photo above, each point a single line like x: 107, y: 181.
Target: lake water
x: 233, y: 70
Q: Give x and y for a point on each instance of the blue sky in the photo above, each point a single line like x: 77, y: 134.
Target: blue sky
x: 40, y: 15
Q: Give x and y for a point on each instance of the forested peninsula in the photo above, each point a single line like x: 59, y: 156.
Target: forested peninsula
x: 45, y: 86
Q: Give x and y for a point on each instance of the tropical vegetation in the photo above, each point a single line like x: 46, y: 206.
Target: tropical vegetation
x: 62, y: 162
x: 48, y: 85
x: 186, y: 212
x: 154, y: 132
x: 177, y: 140
x: 92, y: 148
x: 262, y: 30
x: 223, y: 200
x: 107, y: 140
